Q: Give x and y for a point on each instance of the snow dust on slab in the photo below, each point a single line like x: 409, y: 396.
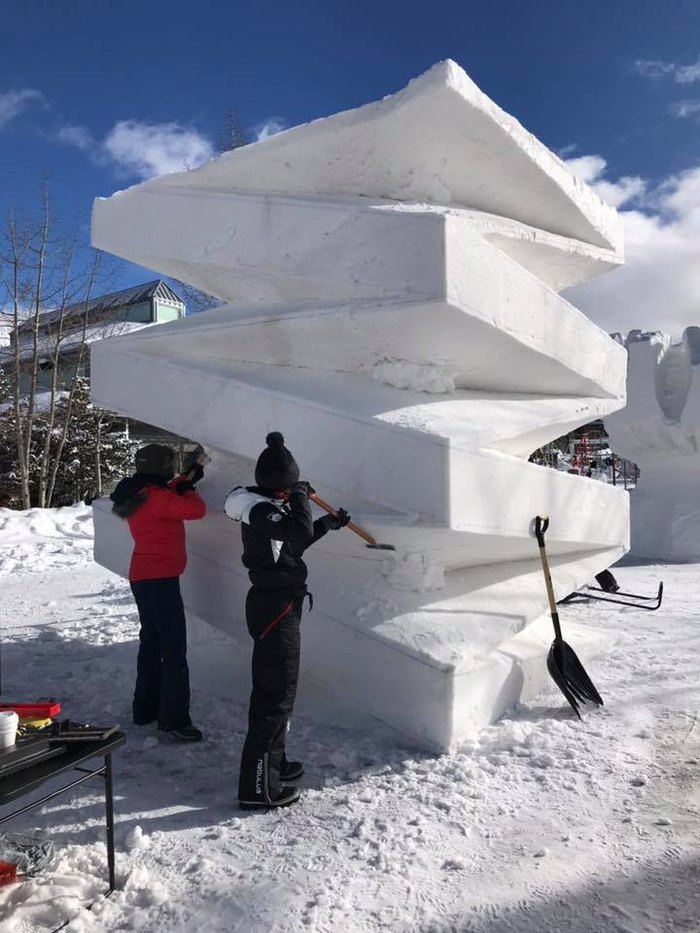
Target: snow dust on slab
x: 540, y: 823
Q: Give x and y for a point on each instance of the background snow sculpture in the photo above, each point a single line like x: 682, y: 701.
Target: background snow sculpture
x: 660, y: 431
x: 393, y: 274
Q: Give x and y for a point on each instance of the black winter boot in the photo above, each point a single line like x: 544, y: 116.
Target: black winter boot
x: 184, y: 733
x: 260, y: 786
x: 291, y: 770
x: 287, y: 795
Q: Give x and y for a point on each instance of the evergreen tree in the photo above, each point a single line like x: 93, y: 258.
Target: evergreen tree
x: 95, y: 451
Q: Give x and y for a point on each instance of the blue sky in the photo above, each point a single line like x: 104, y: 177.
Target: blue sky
x: 97, y: 95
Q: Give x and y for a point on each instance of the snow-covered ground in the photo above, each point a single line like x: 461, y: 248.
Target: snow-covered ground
x: 541, y: 823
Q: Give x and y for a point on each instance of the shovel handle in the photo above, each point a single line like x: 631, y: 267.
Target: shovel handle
x: 541, y: 526
x: 351, y: 525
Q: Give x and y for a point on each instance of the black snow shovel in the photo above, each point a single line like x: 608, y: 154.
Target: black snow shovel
x: 564, y: 667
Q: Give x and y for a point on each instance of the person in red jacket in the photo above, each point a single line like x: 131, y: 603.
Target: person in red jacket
x: 156, y: 505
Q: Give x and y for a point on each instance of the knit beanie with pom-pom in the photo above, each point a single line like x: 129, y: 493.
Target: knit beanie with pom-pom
x: 276, y: 468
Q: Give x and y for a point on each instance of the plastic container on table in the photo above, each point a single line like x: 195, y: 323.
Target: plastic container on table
x: 9, y: 720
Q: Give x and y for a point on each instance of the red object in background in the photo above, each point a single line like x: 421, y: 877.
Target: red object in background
x: 8, y: 873
x: 46, y: 709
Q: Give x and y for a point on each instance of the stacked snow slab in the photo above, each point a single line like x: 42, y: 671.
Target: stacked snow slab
x: 659, y: 430
x: 394, y: 309
x: 441, y: 141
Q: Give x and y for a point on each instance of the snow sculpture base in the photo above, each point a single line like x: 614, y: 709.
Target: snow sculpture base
x: 659, y: 430
x: 414, y: 355
x: 437, y: 666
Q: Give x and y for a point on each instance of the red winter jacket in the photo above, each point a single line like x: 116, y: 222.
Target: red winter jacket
x: 158, y: 531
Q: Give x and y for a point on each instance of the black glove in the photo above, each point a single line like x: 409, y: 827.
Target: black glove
x: 306, y: 489
x: 191, y: 459
x: 182, y: 486
x: 339, y: 520
x: 195, y: 473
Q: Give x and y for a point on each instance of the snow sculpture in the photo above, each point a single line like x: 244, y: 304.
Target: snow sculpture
x: 393, y: 276
x: 659, y: 430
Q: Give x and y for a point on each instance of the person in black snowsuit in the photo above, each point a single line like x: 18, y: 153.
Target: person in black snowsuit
x: 277, y: 527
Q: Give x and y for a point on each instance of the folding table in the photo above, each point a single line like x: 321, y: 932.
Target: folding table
x: 75, y: 756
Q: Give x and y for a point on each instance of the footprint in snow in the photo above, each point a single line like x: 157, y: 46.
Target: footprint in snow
x: 453, y: 865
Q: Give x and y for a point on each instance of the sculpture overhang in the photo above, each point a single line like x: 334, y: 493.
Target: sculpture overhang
x: 440, y: 141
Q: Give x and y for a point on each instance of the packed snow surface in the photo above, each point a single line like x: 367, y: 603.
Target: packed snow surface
x: 540, y: 824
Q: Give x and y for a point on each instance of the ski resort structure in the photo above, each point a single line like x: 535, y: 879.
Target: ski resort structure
x: 660, y: 431
x: 392, y: 276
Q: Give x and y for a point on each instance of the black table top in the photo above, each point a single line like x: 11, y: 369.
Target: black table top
x: 28, y: 779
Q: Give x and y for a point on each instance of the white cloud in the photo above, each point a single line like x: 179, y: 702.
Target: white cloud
x: 13, y: 103
x: 658, y: 288
x: 685, y: 108
x: 148, y: 149
x: 588, y: 167
x: 681, y: 74
x: 625, y: 190
x: 591, y: 169
x: 132, y: 147
x: 142, y: 150
x: 271, y: 127
x: 567, y: 151
x: 76, y: 136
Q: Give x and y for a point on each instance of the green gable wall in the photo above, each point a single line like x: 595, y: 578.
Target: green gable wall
x: 167, y: 312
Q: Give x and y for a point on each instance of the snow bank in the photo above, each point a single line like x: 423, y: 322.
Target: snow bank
x: 31, y: 538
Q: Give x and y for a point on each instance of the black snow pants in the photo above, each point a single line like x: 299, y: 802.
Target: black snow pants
x: 162, y: 677
x: 274, y: 621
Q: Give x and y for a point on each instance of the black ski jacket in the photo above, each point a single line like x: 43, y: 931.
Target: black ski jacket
x: 275, y: 535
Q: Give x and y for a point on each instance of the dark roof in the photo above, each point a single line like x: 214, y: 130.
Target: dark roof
x: 113, y: 301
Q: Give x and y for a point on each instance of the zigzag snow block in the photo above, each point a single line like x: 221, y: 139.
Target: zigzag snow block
x: 392, y: 276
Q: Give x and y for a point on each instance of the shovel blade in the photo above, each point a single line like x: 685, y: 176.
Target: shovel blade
x: 570, y: 676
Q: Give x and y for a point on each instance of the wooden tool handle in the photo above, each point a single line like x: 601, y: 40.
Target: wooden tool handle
x: 541, y: 525
x: 351, y: 525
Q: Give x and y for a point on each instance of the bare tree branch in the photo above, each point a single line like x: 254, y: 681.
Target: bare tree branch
x: 47, y: 282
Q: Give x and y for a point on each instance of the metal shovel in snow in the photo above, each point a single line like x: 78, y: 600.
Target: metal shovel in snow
x: 564, y: 667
